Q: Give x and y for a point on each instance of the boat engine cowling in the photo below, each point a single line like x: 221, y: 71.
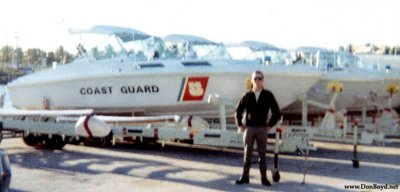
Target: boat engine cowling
x: 194, y: 122
x: 90, y: 126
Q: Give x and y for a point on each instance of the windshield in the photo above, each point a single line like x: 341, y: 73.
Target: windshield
x: 325, y: 60
x: 185, y: 50
x: 100, y: 46
x: 264, y: 56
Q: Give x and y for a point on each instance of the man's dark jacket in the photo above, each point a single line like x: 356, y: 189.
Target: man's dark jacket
x: 257, y: 111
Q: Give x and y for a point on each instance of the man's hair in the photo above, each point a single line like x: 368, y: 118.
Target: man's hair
x: 258, y: 72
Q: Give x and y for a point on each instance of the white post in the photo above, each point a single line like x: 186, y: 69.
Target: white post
x: 216, y: 99
x: 222, y: 115
x: 345, y: 124
x: 364, y: 112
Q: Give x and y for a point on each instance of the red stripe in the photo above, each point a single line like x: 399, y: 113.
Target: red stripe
x: 190, y: 121
x: 155, y: 133
x: 388, y: 110
x: 330, y: 110
x: 86, y: 126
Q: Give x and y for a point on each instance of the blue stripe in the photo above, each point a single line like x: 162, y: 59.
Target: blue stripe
x: 181, y: 91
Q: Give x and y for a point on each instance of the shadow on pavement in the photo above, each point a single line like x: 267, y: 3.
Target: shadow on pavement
x: 163, y: 170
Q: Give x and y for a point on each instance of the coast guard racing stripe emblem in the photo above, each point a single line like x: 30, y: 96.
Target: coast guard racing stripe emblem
x: 193, y: 89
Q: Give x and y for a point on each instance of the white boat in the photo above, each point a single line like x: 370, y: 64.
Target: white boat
x: 193, y: 47
x: 157, y: 86
x: 171, y: 86
x: 360, y: 86
x: 263, y: 52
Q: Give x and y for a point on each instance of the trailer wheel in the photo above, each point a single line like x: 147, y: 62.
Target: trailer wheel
x: 55, y: 142
x: 98, y: 141
x: 276, y: 176
x: 356, y: 163
x: 142, y: 143
x: 139, y: 143
x: 32, y: 140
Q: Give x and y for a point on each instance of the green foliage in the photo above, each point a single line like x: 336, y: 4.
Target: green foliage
x: 350, y: 48
x: 6, y: 54
x: 106, y: 52
x: 18, y: 55
x: 33, y: 56
x: 110, y: 52
x: 387, y: 50
x: 50, y: 58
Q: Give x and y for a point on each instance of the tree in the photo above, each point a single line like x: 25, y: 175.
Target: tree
x: 6, y: 54
x: 18, y: 55
x: 341, y: 48
x: 387, y: 50
x: 375, y: 48
x: 392, y: 50
x: 350, y: 48
x: 68, y: 57
x: 35, y: 56
x: 62, y: 56
x: 95, y: 53
x: 109, y: 52
x: 50, y: 58
x: 59, y: 55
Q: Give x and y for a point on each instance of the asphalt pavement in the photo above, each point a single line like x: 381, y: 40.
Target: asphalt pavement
x: 185, y: 168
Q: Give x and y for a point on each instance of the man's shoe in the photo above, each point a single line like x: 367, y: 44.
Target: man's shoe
x: 265, y: 181
x: 242, y: 180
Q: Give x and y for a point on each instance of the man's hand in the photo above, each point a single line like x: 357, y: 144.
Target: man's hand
x: 241, y: 129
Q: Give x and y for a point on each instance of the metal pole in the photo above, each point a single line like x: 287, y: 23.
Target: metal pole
x: 355, y: 161
x: 305, y: 162
x: 304, y: 110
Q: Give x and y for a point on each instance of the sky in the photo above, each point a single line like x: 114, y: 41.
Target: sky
x: 284, y: 23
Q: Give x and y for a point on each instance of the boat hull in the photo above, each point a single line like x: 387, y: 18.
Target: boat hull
x: 159, y: 93
x: 359, y: 88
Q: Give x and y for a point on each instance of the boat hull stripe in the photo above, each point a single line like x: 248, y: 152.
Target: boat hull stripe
x: 183, y: 85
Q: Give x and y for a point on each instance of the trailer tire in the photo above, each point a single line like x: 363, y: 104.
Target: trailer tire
x: 276, y: 176
x: 98, y: 141
x: 56, y: 142
x: 32, y: 140
x: 356, y: 163
x: 142, y: 143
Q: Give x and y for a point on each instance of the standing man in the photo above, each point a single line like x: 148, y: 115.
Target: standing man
x: 256, y: 103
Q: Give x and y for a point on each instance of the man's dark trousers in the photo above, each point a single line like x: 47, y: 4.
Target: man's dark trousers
x: 258, y: 135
